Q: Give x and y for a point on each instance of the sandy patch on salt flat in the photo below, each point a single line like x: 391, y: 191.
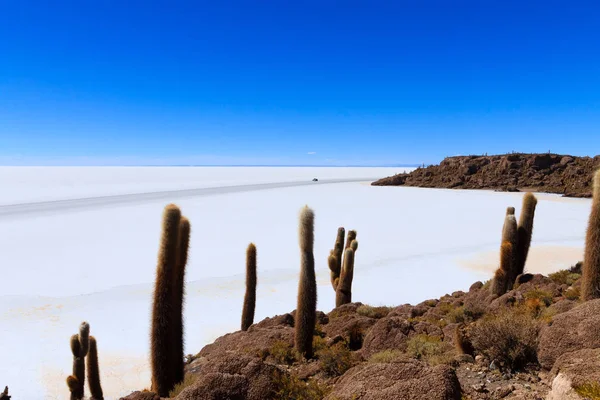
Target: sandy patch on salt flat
x: 542, y: 259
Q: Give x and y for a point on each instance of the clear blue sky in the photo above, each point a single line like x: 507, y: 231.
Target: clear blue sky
x: 299, y: 82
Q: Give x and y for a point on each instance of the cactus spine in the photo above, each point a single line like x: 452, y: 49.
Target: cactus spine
x: 343, y: 295
x: 162, y: 312
x: 306, y: 311
x: 590, y: 282
x: 93, y: 372
x: 250, y: 296
x: 178, y: 282
x: 335, y: 258
x: 524, y: 232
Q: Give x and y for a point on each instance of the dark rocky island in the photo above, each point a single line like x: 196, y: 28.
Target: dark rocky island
x: 548, y: 173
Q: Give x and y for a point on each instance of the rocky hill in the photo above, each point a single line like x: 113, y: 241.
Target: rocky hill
x: 550, y: 173
x: 537, y: 341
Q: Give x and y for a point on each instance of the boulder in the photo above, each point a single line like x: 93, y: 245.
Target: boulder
x: 227, y: 369
x: 580, y: 367
x: 144, y: 395
x: 217, y: 386
x: 576, y: 329
x: 387, y: 333
x: 402, y: 380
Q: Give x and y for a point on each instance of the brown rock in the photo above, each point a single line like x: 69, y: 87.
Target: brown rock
x: 227, y: 368
x: 255, y: 341
x: 570, y: 331
x: 387, y: 333
x: 581, y: 366
x: 402, y: 380
x: 141, y: 396
x: 217, y: 386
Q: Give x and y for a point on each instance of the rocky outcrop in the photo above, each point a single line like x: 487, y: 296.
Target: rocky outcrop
x: 574, y: 370
x: 402, y: 380
x: 576, y: 329
x: 550, y: 173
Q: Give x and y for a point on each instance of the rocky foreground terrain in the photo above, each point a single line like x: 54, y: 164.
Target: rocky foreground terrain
x: 537, y: 341
x: 549, y: 173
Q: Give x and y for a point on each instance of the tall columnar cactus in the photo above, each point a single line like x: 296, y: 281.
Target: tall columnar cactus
x: 524, y: 232
x: 93, y: 371
x: 76, y: 381
x: 250, y: 296
x: 335, y: 257
x: 500, y: 281
x: 343, y: 295
x: 590, y: 282
x: 306, y: 310
x: 509, y: 234
x: 163, y: 378
x: 178, y: 289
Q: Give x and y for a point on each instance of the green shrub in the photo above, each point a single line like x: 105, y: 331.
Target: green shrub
x: 572, y: 293
x: 283, y: 352
x: 509, y: 337
x: 373, y: 312
x: 291, y: 387
x: 319, y: 343
x: 388, y: 356
x: 335, y: 360
x: 430, y: 349
x: 543, y: 295
x: 589, y: 390
x: 564, y: 277
x: 456, y: 315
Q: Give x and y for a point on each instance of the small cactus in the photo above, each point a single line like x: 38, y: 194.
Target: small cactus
x: 509, y: 234
x: 590, y: 279
x: 162, y: 309
x: 250, y: 296
x: 524, y: 232
x: 332, y: 262
x: 461, y: 342
x: 510, y: 211
x: 93, y: 371
x: 500, y: 281
x: 350, y: 238
x: 343, y: 295
x: 306, y: 311
x: 335, y: 257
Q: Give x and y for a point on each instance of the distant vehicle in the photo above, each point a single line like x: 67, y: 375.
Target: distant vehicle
x: 315, y: 180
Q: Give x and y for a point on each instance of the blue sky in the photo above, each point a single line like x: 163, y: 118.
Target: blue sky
x: 307, y: 82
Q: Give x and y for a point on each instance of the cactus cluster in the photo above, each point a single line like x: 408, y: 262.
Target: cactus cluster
x: 515, y: 243
x: 341, y: 266
x: 167, y: 358
x: 83, y: 345
x: 590, y: 279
